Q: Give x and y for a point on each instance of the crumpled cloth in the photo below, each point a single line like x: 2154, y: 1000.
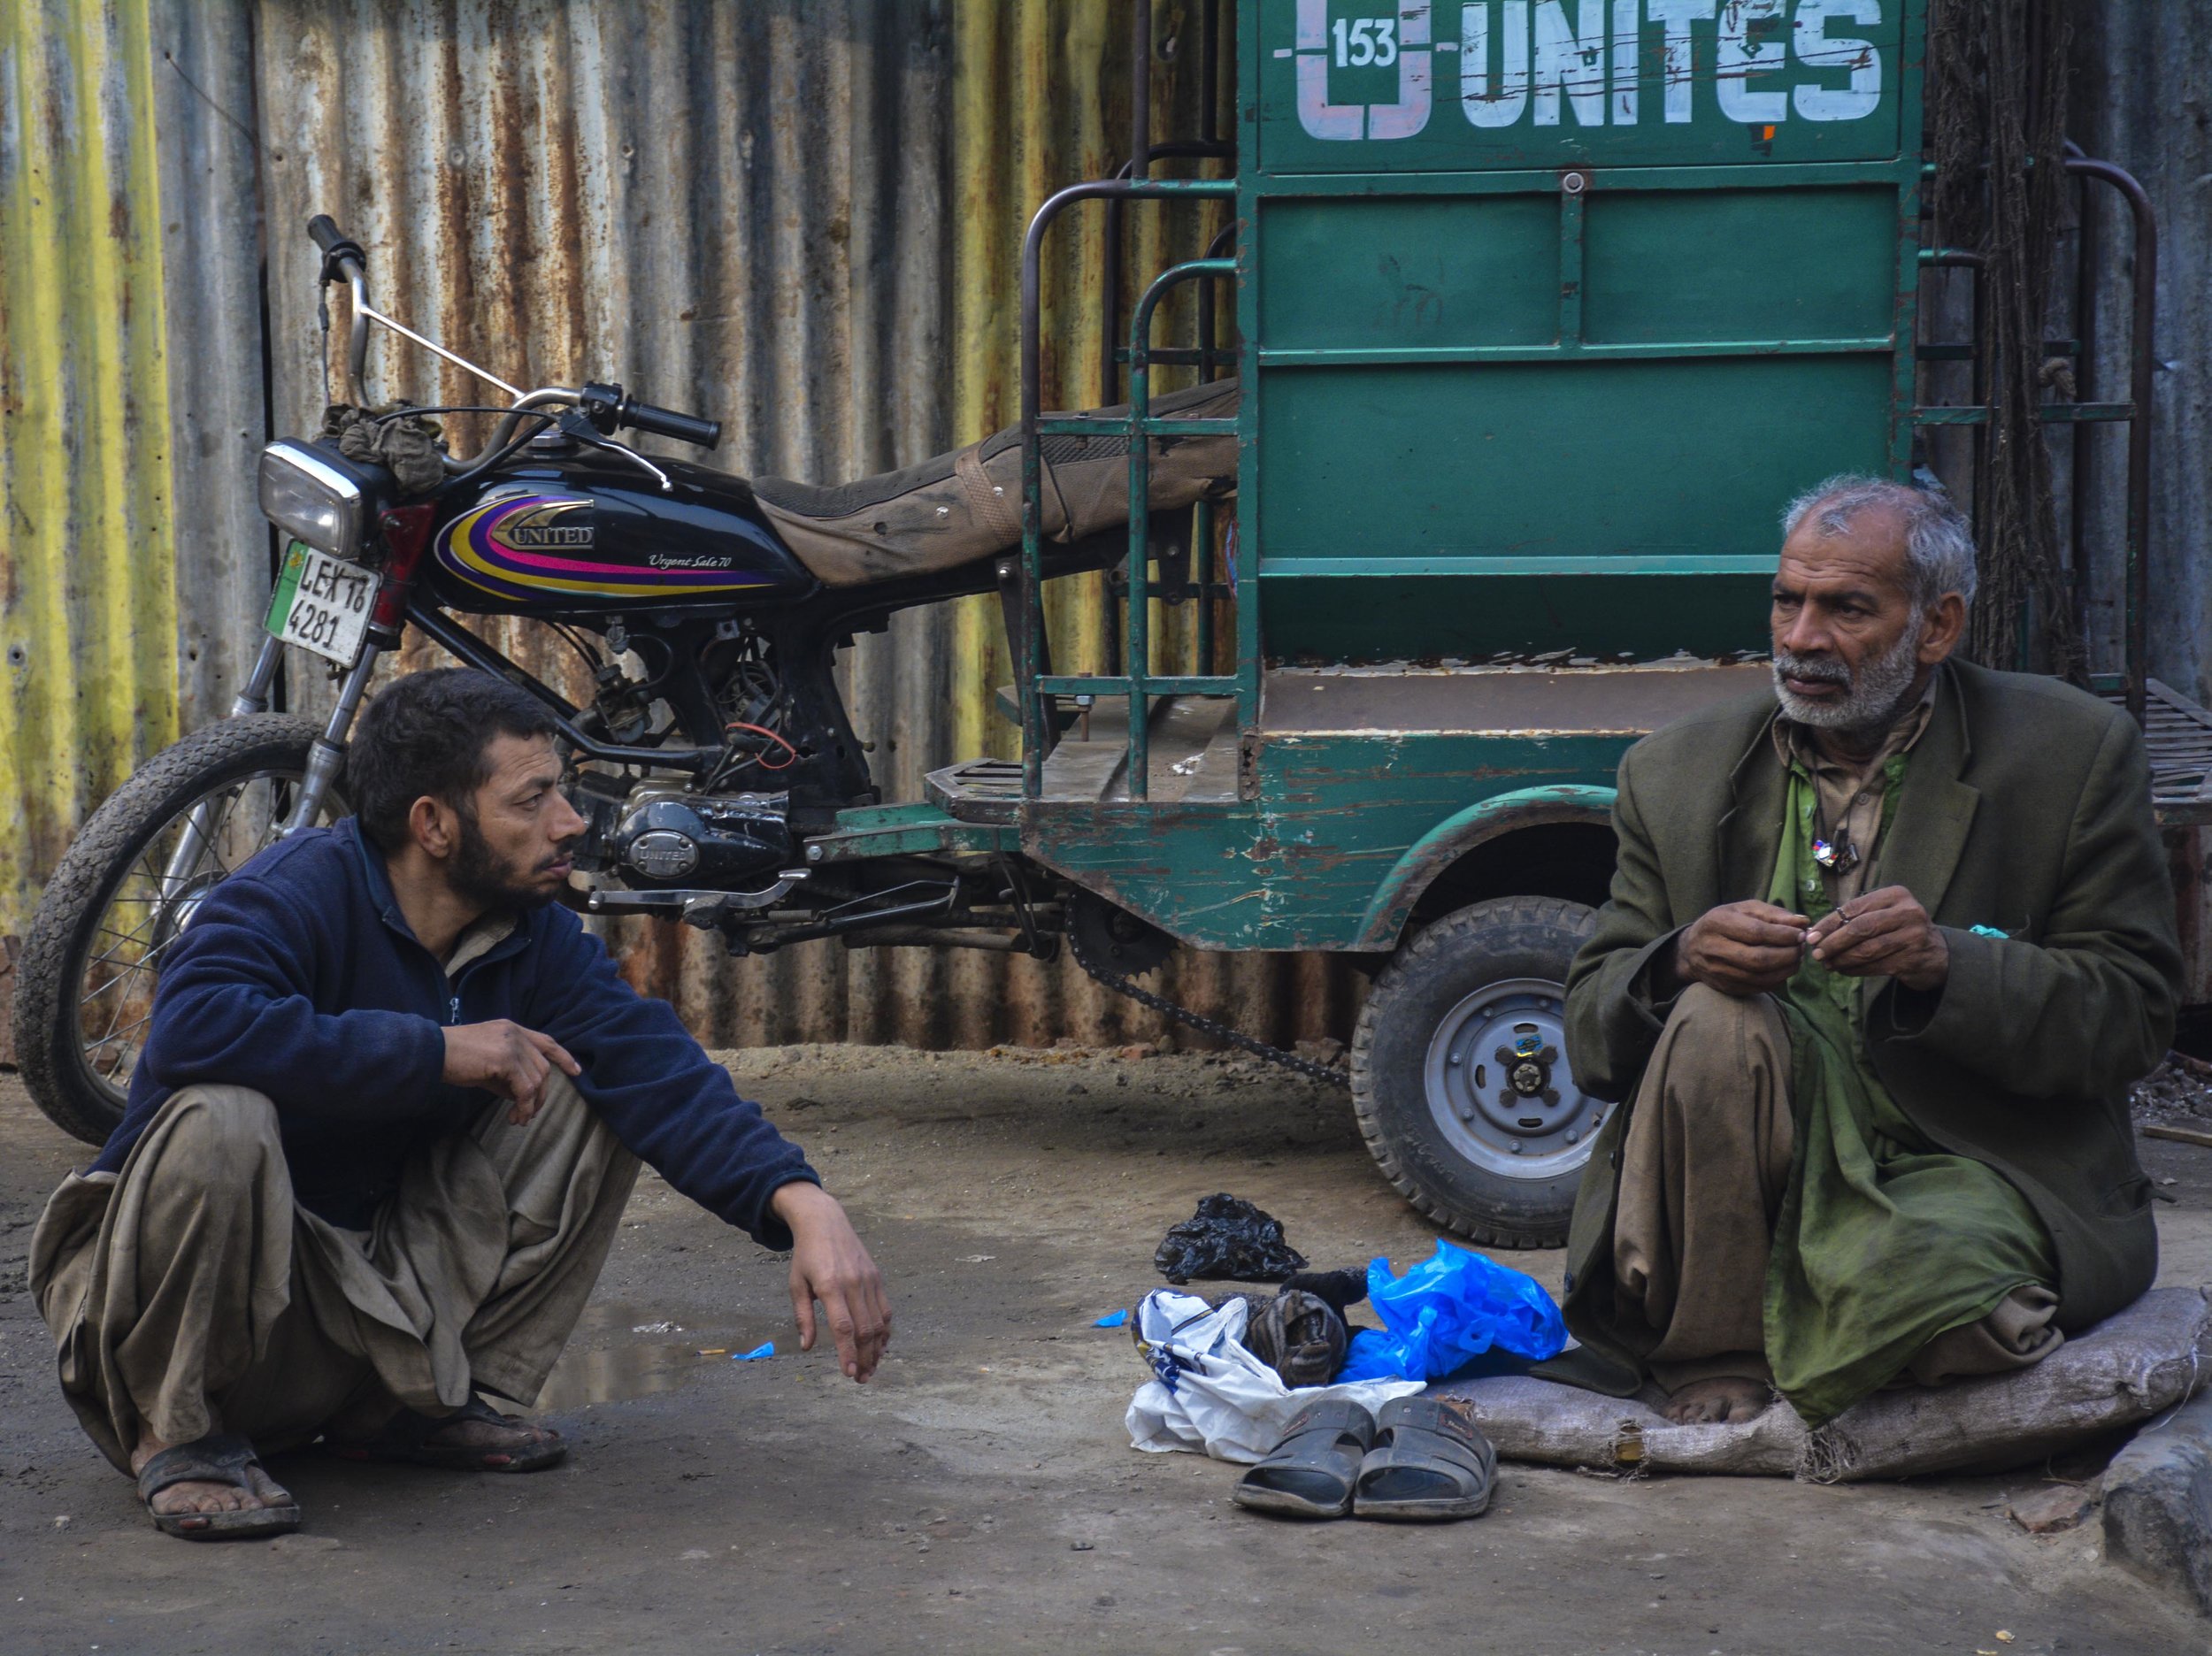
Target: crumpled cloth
x: 411, y: 449
x: 1211, y: 1395
x: 1227, y: 1239
x: 1299, y: 1335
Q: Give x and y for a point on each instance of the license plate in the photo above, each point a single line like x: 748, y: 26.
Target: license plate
x: 322, y: 604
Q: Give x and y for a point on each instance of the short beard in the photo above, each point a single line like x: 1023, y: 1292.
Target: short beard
x: 486, y: 880
x: 1875, y: 697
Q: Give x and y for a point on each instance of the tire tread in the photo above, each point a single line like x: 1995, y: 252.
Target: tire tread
x: 1547, y: 912
x: 80, y: 883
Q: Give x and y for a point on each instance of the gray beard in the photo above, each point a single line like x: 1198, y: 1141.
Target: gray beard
x: 1875, y: 697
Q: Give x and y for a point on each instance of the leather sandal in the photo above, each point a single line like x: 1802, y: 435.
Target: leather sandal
x: 1429, y: 1462
x: 218, y: 1458
x: 1310, y: 1472
x: 406, y: 1437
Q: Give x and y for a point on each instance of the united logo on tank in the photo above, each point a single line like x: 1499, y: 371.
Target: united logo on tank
x: 528, y: 547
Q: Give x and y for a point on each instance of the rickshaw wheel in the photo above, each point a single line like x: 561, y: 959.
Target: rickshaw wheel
x: 1460, y: 1074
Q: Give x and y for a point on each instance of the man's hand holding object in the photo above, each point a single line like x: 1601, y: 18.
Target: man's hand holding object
x: 1750, y: 948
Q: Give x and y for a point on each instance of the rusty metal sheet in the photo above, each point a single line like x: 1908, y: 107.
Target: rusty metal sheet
x: 736, y: 210
x: 201, y: 71
x: 803, y: 217
x: 88, y: 571
x: 1525, y: 701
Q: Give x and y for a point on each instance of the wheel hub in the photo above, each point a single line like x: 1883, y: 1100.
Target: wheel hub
x: 1499, y: 1087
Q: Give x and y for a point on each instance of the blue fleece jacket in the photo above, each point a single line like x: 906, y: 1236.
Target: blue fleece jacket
x: 299, y: 977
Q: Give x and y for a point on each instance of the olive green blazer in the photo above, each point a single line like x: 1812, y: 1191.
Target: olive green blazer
x: 2026, y: 809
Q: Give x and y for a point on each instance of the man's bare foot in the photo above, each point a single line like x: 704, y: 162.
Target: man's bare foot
x: 476, y: 1438
x: 200, y: 1496
x: 1723, y: 1402
x: 509, y: 1434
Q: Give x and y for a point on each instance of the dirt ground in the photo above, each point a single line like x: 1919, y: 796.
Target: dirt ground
x: 980, y: 1494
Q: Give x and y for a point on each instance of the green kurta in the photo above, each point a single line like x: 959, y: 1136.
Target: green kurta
x: 1884, y: 1241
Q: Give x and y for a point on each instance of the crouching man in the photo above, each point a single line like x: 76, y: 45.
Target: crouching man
x: 389, y: 1109
x: 1884, y: 952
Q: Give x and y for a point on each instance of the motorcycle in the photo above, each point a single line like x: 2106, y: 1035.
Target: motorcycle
x: 707, y: 613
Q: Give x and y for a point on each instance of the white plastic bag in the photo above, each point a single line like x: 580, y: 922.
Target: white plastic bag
x: 1221, y: 1399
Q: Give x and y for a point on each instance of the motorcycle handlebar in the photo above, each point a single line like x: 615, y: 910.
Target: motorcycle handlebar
x: 338, y: 250
x: 608, y: 406
x: 667, y: 423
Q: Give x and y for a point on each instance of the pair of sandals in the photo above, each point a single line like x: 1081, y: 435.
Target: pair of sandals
x: 1418, y: 1461
x: 226, y: 1458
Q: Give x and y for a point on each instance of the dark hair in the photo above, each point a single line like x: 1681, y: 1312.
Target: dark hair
x: 431, y: 732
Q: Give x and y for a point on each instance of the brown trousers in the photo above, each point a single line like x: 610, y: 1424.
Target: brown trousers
x: 1703, y: 1167
x: 188, y: 1293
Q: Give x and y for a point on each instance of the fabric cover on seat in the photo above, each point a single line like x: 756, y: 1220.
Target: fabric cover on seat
x: 956, y: 508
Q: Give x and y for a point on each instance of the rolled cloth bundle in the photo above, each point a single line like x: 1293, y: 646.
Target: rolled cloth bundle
x: 960, y: 507
x: 1299, y: 1335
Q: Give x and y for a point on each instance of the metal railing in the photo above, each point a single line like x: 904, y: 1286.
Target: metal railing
x: 1036, y: 688
x: 2135, y: 413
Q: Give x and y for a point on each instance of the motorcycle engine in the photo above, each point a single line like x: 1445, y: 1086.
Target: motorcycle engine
x: 671, y: 837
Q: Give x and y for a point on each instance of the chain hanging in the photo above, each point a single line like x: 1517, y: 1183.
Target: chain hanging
x: 1204, y: 1025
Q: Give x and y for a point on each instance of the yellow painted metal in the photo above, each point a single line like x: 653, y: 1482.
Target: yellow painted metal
x: 87, y: 549
x: 1040, y: 101
x: 88, y: 564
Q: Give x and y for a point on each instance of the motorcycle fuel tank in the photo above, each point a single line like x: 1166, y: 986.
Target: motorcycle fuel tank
x: 591, y: 536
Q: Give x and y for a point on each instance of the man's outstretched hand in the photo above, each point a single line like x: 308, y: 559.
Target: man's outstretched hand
x: 829, y: 1263
x: 506, y: 1058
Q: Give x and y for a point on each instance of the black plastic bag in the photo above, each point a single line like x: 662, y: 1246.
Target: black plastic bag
x: 1227, y: 1239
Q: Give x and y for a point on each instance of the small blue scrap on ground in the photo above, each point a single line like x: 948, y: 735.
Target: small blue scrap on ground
x: 1112, y: 1319
x: 759, y: 1351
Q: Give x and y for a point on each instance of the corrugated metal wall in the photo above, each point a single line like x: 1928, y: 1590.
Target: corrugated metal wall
x: 88, y: 567
x: 2143, y: 97
x: 802, y: 217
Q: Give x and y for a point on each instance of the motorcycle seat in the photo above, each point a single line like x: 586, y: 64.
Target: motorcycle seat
x: 956, y: 509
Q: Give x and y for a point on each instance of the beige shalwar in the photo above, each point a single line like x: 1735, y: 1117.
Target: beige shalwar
x: 188, y: 1293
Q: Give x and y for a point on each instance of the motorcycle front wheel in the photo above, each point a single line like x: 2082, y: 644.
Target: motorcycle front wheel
x: 128, y: 885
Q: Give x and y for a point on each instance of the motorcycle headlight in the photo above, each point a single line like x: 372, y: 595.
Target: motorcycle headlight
x: 312, y: 496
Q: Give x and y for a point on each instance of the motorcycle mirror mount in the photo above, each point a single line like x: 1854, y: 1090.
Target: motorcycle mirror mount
x: 608, y: 406
x: 603, y: 406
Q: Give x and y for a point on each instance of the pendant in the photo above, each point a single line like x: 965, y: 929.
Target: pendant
x: 1836, y: 858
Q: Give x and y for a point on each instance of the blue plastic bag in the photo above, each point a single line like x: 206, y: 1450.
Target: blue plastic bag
x: 1449, y: 1310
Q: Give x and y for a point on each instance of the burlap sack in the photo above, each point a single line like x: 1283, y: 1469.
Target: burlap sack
x: 2127, y: 1368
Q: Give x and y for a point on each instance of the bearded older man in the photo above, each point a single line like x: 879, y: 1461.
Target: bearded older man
x: 1882, y: 952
